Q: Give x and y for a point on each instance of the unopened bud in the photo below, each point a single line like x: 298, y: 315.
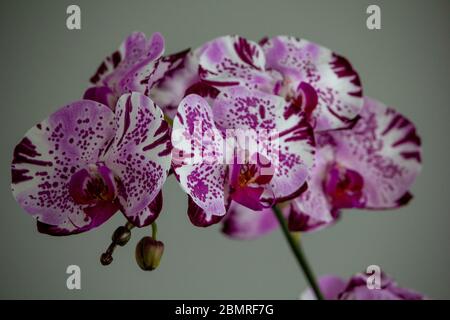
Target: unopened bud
x: 121, y: 236
x: 106, y: 259
x: 148, y: 253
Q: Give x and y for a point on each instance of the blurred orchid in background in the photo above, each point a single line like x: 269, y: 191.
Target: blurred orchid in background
x: 370, y: 166
x: 356, y: 288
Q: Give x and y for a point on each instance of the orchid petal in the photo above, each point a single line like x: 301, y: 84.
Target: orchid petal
x: 330, y: 286
x: 306, y: 220
x: 103, y: 95
x: 286, y: 140
x: 174, y: 74
x: 131, y: 66
x: 50, y: 153
x: 384, y: 148
x: 152, y: 211
x: 99, y: 214
x: 140, y: 154
x: 312, y: 210
x: 199, y: 218
x: 200, y: 178
x: 249, y: 197
x: 357, y: 289
x: 243, y: 223
x: 337, y: 85
x: 233, y: 60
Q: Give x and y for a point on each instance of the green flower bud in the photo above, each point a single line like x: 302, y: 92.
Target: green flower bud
x: 148, y: 253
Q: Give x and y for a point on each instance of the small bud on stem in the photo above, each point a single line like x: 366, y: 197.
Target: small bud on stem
x: 120, y: 237
x: 149, y: 251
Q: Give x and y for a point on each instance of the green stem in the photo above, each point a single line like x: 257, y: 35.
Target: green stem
x: 298, y: 253
x: 154, y: 230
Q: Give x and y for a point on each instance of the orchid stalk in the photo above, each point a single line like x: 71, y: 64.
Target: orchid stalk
x: 298, y: 254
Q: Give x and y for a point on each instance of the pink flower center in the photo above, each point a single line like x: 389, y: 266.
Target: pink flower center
x: 344, y: 187
x: 92, y: 184
x: 248, y: 181
x: 303, y: 99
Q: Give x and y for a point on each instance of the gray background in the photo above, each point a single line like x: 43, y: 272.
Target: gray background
x: 44, y: 65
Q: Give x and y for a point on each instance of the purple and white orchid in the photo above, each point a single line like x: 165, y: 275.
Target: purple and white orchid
x: 312, y: 79
x: 356, y: 288
x: 370, y: 166
x: 207, y: 140
x: 234, y: 73
x: 258, y: 130
x: 139, y: 66
x: 82, y: 164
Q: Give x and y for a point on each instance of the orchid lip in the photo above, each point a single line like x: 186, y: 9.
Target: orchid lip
x: 248, y: 181
x: 93, y: 184
x: 344, y: 186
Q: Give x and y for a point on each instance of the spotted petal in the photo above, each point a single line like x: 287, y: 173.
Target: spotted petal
x: 67, y: 141
x: 140, y: 154
x: 174, y: 74
x: 233, y: 60
x: 198, y: 217
x: 131, y: 66
x: 286, y: 140
x: 312, y: 210
x: 337, y: 85
x: 384, y: 149
x: 150, y: 213
x: 98, y: 214
x: 197, y: 155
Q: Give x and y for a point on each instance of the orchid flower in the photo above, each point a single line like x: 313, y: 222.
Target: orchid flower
x: 205, y: 162
x: 356, y: 288
x: 312, y: 79
x: 82, y: 164
x: 258, y: 131
x: 371, y: 166
x: 139, y: 66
